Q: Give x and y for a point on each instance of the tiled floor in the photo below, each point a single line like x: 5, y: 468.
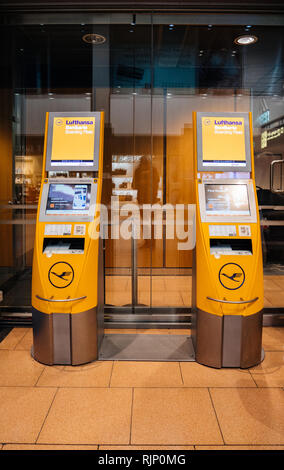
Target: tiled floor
x: 140, y: 405
x: 151, y: 291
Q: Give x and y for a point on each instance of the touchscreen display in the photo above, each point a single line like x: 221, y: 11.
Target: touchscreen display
x: 68, y: 199
x: 227, y: 199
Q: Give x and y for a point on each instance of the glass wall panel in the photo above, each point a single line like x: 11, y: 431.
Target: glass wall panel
x: 148, y: 75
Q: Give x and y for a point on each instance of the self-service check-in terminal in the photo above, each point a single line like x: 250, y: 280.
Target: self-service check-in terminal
x: 67, y: 280
x: 228, y: 270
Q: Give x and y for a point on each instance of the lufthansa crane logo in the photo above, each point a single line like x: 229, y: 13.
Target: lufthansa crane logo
x: 61, y: 275
x: 59, y: 122
x: 231, y: 276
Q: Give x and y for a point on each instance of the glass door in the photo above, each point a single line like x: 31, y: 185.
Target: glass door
x: 147, y: 73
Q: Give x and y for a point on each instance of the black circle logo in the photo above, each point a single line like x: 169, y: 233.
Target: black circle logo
x: 232, y: 276
x: 61, y: 275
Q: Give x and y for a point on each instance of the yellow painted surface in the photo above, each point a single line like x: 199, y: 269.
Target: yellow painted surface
x: 232, y: 278
x: 82, y: 269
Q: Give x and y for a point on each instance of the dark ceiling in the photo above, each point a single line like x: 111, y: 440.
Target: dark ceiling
x: 209, y: 5
x: 185, y: 56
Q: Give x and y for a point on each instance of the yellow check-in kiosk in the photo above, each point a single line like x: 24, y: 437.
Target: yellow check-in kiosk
x: 67, y: 277
x: 227, y: 269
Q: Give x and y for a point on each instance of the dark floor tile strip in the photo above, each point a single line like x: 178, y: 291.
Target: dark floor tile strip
x: 182, y: 381
x: 253, y: 378
x: 43, y: 369
x: 46, y: 415
x: 111, y: 373
x: 4, y: 332
x: 216, y: 415
x: 131, y: 416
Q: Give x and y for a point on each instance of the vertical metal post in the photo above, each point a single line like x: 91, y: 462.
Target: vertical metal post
x: 134, y: 265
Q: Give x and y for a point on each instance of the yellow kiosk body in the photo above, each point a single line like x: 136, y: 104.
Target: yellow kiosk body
x: 67, y: 278
x: 228, y: 270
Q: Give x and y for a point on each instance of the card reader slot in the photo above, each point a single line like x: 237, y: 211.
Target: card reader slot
x: 230, y: 246
x: 63, y: 245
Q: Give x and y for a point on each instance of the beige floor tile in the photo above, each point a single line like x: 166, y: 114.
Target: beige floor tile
x: 197, y: 375
x: 153, y: 331
x: 181, y: 331
x: 178, y: 283
x: 135, y: 331
x: 279, y: 280
x: 270, y: 373
x: 167, y: 299
x: 118, y: 331
x: 88, y: 416
x: 146, y: 374
x: 47, y: 447
x: 96, y: 374
x: 13, y: 338
x: 118, y: 298
x: 158, y: 283
x: 275, y: 298
x: 270, y: 285
x: 273, y: 338
x: 22, y: 412
x: 239, y: 447
x: 176, y: 416
x: 186, y: 297
x: 146, y: 448
x: 116, y: 283
x: 25, y: 344
x: 144, y: 297
x: 267, y: 303
x: 250, y: 416
x: 18, y: 368
x: 144, y: 283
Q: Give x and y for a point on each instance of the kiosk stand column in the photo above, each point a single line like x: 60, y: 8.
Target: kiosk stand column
x: 227, y: 268
x: 67, y: 279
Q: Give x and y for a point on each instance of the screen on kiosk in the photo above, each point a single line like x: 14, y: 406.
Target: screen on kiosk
x: 223, y: 142
x: 68, y: 199
x: 227, y: 199
x: 73, y: 141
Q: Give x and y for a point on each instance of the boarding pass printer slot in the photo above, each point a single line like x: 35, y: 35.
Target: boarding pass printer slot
x: 63, y: 246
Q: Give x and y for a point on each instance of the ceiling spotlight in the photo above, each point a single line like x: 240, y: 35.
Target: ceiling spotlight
x: 92, y: 38
x: 245, y: 39
x: 133, y: 22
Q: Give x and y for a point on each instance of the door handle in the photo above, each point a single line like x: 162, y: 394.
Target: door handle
x: 60, y: 300
x: 233, y: 302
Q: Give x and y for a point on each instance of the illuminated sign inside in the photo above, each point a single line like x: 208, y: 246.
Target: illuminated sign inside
x: 73, y: 141
x: 272, y: 134
x: 223, y: 141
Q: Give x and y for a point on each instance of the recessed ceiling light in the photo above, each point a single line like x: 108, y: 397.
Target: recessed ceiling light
x: 245, y: 39
x: 92, y: 38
